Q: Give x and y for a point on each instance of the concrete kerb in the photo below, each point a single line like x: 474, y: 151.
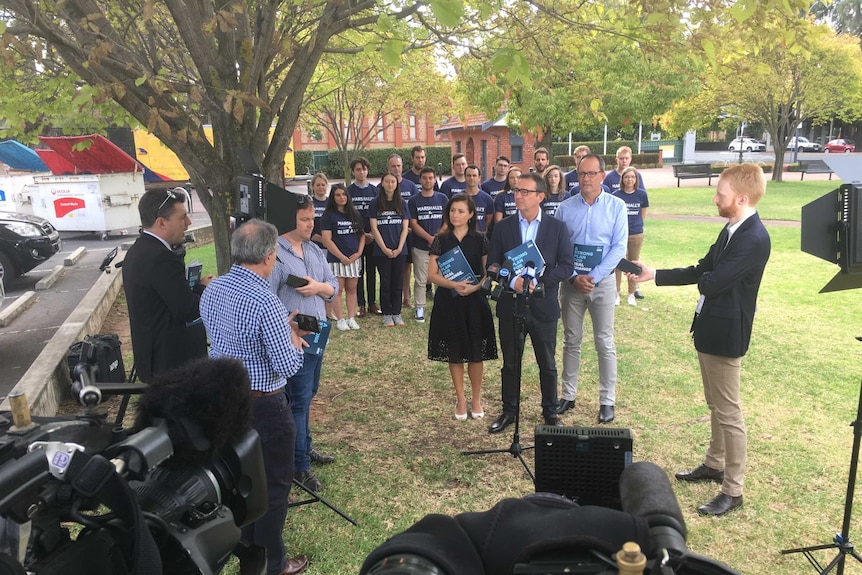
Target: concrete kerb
x: 46, y: 381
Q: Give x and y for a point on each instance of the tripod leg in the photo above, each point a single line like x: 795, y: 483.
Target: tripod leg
x: 315, y: 497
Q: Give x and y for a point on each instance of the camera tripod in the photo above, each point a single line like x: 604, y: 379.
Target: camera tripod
x: 520, y: 333
x: 841, y: 541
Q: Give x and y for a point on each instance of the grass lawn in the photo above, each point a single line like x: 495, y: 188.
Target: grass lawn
x: 386, y: 412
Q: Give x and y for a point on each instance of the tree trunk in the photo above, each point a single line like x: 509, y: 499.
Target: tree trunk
x: 778, y: 168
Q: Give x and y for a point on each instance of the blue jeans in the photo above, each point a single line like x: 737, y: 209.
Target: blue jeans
x: 301, y: 387
x: 274, y: 424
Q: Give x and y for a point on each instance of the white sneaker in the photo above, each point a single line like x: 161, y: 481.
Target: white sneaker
x: 617, y: 301
x: 420, y: 315
x: 632, y: 300
x: 351, y: 323
x: 342, y: 325
x: 398, y: 319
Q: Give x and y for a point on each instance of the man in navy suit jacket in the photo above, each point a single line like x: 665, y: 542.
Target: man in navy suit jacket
x: 728, y: 279
x: 163, y: 310
x: 551, y: 236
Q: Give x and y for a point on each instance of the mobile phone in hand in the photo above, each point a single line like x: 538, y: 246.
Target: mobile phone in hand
x: 628, y: 267
x: 296, y: 281
x: 307, y: 323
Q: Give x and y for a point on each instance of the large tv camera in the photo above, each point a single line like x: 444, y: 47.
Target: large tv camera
x: 548, y: 534
x: 258, y: 198
x: 499, y: 277
x: 168, y: 496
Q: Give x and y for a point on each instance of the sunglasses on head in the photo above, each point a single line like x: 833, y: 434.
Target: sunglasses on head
x: 169, y: 195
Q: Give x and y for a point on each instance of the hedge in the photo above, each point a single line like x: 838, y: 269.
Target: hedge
x: 649, y: 160
x: 377, y: 157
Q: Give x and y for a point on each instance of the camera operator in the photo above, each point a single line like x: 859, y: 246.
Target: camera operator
x: 300, y: 257
x: 552, y: 238
x: 247, y: 321
x: 163, y: 309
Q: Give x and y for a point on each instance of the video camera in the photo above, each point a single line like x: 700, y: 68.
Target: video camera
x: 162, y: 498
x: 503, y: 275
x: 548, y: 534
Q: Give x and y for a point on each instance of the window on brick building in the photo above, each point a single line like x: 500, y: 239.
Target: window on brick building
x: 517, y: 154
x: 411, y: 126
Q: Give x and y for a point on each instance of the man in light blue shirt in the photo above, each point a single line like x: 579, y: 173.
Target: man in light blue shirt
x: 598, y: 226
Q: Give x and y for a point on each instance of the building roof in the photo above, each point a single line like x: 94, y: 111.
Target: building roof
x: 474, y: 121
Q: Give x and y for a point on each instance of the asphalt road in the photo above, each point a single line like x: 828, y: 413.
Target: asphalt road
x: 23, y: 340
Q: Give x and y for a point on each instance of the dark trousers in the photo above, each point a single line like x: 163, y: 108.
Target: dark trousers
x: 368, y: 271
x: 543, y: 335
x: 274, y: 424
x: 391, y: 283
x: 301, y: 388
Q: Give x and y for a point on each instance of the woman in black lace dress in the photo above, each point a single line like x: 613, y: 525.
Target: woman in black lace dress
x: 462, y: 328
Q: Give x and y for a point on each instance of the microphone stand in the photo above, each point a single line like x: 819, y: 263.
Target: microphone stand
x: 520, y: 328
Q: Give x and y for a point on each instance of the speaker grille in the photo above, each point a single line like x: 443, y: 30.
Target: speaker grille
x: 583, y: 463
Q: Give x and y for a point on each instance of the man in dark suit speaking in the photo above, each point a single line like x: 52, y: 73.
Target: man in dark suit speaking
x: 551, y: 237
x: 728, y: 279
x: 163, y: 309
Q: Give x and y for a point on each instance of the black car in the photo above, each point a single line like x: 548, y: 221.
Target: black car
x: 25, y: 242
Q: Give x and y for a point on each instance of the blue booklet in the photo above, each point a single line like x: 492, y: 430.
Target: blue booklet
x: 454, y: 266
x: 524, y: 253
x: 317, y: 341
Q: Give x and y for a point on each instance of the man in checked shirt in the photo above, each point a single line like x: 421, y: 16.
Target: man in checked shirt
x: 245, y: 320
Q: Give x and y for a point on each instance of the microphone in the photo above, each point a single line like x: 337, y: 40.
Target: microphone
x: 528, y: 274
x: 504, y: 277
x: 645, y: 491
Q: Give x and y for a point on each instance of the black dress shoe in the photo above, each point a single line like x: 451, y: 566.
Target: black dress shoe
x: 565, y: 405
x: 553, y: 419
x: 720, y: 505
x: 701, y: 473
x: 501, y: 423
x: 638, y: 294
x: 606, y: 413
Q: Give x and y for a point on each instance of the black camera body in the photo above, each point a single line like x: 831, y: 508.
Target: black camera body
x: 145, y: 503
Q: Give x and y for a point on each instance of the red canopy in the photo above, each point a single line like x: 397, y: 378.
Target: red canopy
x: 94, y: 154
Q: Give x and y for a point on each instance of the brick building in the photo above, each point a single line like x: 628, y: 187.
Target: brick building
x: 481, y: 141
x: 410, y: 131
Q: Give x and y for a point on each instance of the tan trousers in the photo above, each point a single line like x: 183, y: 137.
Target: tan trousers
x: 727, y: 446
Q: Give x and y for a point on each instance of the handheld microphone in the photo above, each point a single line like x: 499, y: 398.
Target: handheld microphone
x: 504, y: 277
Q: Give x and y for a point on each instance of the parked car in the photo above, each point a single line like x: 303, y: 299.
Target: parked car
x: 747, y: 144
x: 839, y: 145
x: 805, y: 145
x: 25, y: 242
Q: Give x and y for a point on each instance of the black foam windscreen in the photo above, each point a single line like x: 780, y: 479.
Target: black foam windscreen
x: 645, y: 491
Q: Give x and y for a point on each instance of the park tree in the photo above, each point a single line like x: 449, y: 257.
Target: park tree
x: 355, y: 97
x: 242, y: 66
x: 800, y: 72
x: 845, y: 16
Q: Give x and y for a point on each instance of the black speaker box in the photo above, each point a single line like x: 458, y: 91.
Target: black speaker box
x: 583, y: 463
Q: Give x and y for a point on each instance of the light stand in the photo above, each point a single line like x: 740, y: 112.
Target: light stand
x: 841, y: 541
x: 519, y: 318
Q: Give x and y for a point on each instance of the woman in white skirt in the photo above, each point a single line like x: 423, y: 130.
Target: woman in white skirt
x: 344, y: 238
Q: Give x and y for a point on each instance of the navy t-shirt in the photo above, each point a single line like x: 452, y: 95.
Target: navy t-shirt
x: 362, y: 200
x: 452, y: 186
x: 428, y: 212
x: 343, y: 235
x: 550, y: 205
x: 408, y: 189
x: 571, y: 180
x: 492, y: 187
x: 634, y: 202
x: 612, y: 181
x: 504, y: 203
x: 319, y: 207
x: 484, y: 207
x: 389, y: 224
x: 410, y: 176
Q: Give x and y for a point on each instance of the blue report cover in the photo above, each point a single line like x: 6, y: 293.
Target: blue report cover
x: 526, y: 252
x: 454, y: 266
x: 317, y: 341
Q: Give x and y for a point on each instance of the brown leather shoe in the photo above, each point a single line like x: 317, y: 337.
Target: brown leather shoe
x: 374, y: 309
x: 361, y: 311
x: 721, y: 504
x: 295, y: 565
x: 700, y: 474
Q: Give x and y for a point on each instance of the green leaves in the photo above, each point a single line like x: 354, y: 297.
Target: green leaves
x: 448, y: 12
